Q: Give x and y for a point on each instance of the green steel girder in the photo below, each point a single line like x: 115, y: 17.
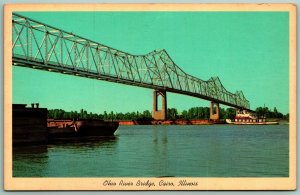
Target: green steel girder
x: 38, y: 45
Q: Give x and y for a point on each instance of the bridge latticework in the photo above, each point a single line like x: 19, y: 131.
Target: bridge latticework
x: 41, y: 46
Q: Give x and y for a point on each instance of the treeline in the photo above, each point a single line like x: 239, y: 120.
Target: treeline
x: 83, y: 114
x: 172, y: 114
x: 265, y: 112
x: 199, y: 113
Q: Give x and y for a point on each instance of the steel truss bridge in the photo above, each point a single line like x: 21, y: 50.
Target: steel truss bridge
x: 41, y: 46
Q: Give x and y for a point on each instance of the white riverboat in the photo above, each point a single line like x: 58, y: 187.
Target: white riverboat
x: 243, y: 117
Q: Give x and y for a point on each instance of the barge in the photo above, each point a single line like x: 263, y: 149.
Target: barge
x: 30, y: 126
x: 64, y: 129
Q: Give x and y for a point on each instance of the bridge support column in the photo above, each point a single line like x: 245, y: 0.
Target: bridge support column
x: 159, y: 114
x: 214, y: 111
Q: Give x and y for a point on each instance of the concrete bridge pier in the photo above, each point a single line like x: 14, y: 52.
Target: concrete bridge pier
x: 159, y: 114
x: 214, y: 111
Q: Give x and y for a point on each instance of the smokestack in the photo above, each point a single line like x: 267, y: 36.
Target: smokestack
x: 37, y: 105
x: 32, y: 105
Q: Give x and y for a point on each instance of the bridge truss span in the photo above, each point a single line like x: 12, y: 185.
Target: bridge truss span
x: 41, y: 46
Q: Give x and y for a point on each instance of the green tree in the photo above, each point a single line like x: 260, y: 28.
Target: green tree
x: 105, y: 115
x: 147, y: 114
x: 111, y: 115
x: 223, y: 113
x: 287, y: 116
x: 230, y: 113
x: 172, y: 113
x: 260, y: 111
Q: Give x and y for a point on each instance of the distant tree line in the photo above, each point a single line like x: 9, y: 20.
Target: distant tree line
x: 199, y: 113
x: 265, y: 112
x: 83, y: 114
x: 172, y: 114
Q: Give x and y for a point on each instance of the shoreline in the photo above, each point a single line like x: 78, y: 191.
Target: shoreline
x: 170, y: 122
x: 65, y: 123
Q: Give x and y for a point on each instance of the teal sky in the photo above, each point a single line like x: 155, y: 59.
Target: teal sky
x: 248, y: 51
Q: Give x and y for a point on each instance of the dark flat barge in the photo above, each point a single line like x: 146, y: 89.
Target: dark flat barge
x: 31, y: 127
x: 65, y: 129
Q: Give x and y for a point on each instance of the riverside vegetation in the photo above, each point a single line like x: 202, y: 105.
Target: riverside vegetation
x: 172, y: 114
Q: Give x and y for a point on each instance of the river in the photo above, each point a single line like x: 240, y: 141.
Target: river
x: 170, y: 150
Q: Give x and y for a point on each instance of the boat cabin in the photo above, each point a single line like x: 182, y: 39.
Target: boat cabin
x: 247, y: 117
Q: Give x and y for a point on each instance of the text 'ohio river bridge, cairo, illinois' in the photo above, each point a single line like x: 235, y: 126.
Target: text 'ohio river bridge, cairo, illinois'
x: 41, y: 46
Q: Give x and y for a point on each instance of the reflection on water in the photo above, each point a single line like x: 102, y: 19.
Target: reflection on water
x: 30, y: 161
x: 60, y: 158
x: 160, y: 151
x: 163, y: 151
x: 83, y: 142
x: 27, y: 150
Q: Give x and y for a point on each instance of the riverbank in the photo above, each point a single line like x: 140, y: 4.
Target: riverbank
x: 280, y: 121
x: 170, y: 122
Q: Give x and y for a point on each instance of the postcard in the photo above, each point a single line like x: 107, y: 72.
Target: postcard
x: 150, y: 97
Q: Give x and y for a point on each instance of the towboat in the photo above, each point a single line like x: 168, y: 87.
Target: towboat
x: 245, y: 118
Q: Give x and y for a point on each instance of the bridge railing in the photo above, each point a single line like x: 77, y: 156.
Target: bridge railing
x: 42, y: 46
